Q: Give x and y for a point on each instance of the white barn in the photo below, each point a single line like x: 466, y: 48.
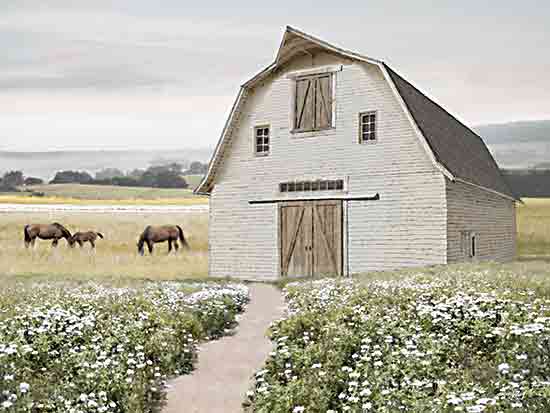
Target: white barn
x: 332, y: 163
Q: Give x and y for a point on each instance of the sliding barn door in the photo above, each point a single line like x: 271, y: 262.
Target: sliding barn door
x: 311, y: 238
x: 296, y: 239
x: 327, y: 238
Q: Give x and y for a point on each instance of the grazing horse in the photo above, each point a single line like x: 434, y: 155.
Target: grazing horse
x: 53, y: 231
x: 83, y: 237
x: 171, y: 233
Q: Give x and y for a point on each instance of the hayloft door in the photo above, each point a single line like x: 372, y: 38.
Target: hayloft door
x: 311, y: 238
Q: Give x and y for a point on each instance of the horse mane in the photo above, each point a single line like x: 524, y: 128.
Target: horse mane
x: 66, y: 233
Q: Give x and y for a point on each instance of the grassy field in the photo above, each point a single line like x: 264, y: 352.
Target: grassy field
x: 115, y: 257
x: 89, y: 194
x: 533, y: 220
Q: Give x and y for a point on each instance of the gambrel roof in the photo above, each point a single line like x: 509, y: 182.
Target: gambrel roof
x: 453, y: 148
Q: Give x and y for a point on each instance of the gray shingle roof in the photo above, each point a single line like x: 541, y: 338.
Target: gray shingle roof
x: 454, y: 145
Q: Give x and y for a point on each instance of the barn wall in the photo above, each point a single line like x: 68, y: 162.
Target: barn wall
x: 406, y: 228
x: 243, y: 238
x: 490, y: 216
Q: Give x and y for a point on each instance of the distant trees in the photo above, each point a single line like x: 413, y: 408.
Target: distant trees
x: 71, y: 177
x: 197, y: 168
x: 166, y: 176
x: 109, y: 173
x: 529, y: 183
x: 30, y: 180
x: 13, y: 179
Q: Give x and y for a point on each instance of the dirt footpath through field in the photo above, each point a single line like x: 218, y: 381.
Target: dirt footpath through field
x: 225, y: 366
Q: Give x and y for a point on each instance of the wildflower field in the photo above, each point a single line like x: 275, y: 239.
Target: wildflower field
x: 70, y: 348
x: 456, y: 339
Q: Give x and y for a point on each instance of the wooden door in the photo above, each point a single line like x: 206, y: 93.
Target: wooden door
x: 327, y: 238
x: 296, y: 239
x: 311, y: 238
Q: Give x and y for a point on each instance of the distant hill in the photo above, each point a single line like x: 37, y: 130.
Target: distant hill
x: 518, y: 144
x: 45, y: 164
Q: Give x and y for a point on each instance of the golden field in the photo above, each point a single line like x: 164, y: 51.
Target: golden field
x: 115, y: 257
x: 533, y: 221
x: 76, y: 194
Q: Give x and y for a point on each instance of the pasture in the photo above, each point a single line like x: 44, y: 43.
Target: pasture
x: 115, y: 257
x: 105, y: 194
x: 533, y: 221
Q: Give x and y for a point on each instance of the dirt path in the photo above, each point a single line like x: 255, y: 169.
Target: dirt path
x: 225, y: 366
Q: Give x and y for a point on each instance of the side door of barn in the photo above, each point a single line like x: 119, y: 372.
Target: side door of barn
x: 311, y: 238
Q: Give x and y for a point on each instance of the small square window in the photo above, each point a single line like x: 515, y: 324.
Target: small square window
x: 299, y: 186
x: 291, y: 187
x: 367, y: 127
x: 315, y: 185
x: 262, y: 140
x: 339, y: 184
x: 283, y: 187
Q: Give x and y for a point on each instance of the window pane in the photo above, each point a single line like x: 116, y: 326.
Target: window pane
x: 299, y: 186
x: 323, y: 185
x: 266, y: 131
x: 331, y: 185
x: 315, y: 186
x: 283, y: 187
x: 291, y: 187
x: 339, y: 184
x: 307, y: 186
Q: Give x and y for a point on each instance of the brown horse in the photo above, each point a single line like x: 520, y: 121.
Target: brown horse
x: 53, y: 231
x: 171, y: 233
x: 82, y: 237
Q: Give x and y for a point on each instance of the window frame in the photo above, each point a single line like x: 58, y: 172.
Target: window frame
x: 315, y: 185
x: 314, y: 73
x: 360, y: 128
x: 255, y: 142
x: 469, y: 244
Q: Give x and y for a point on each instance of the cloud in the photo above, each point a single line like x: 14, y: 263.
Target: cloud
x: 60, y: 49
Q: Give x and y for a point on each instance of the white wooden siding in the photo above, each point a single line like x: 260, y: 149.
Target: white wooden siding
x: 491, y: 217
x: 406, y: 227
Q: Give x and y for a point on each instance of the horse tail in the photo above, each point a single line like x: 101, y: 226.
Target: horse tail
x: 26, y: 234
x: 184, y: 242
x: 100, y: 235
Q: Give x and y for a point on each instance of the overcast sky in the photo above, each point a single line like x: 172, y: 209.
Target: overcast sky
x: 163, y: 74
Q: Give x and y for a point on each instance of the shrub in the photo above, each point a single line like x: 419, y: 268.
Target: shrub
x: 97, y: 349
x: 458, y: 342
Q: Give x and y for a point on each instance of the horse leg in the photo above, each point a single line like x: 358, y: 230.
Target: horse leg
x: 55, y: 242
x: 150, y: 247
x: 169, y: 245
x: 176, y: 246
x: 80, y: 243
x: 92, y: 244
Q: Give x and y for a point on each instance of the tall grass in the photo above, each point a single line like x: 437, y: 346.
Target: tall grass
x: 533, y: 221
x: 115, y: 257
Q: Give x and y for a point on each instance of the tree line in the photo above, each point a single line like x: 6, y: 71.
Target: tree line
x: 163, y: 176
